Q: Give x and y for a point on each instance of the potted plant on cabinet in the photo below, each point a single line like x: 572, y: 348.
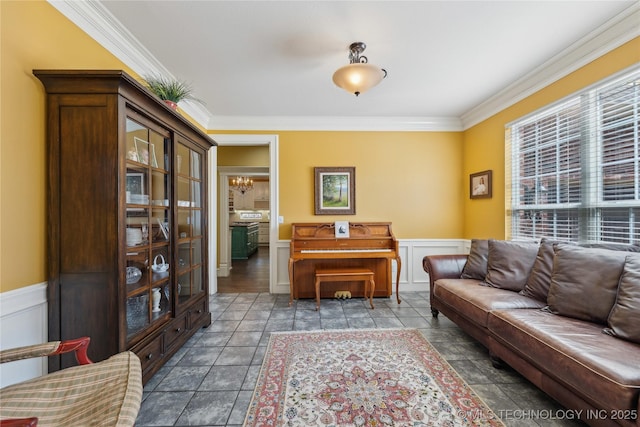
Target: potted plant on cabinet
x: 171, y: 91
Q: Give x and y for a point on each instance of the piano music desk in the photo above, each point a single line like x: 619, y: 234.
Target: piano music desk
x: 346, y: 275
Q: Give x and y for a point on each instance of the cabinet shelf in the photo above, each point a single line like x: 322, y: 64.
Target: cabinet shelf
x: 134, y: 290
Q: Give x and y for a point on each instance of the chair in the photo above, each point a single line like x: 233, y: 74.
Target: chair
x: 106, y: 393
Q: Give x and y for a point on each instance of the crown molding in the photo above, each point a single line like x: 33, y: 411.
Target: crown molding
x: 243, y: 139
x: 94, y: 19
x: 334, y: 123
x: 612, y: 34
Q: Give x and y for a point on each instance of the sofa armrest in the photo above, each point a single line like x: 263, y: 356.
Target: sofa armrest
x: 19, y: 422
x: 442, y: 267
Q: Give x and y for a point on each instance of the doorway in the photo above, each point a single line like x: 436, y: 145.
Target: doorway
x: 247, y: 275
x: 257, y: 273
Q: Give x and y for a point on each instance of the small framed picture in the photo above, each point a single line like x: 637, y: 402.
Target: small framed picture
x: 136, y: 192
x: 480, y: 185
x: 142, y: 147
x: 135, y: 184
x: 154, y: 160
x: 335, y: 190
x: 132, y: 151
x: 342, y: 229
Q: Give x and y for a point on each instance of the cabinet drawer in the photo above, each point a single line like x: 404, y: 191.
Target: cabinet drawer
x: 150, y: 353
x: 175, y: 330
x: 198, y: 312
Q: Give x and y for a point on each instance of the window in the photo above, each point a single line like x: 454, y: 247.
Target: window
x: 575, y: 167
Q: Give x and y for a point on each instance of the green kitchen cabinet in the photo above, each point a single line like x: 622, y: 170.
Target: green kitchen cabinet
x: 244, y: 239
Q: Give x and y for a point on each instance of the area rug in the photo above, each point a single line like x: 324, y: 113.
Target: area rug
x: 361, y: 377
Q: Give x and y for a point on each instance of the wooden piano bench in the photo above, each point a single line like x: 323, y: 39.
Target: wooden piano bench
x: 346, y: 275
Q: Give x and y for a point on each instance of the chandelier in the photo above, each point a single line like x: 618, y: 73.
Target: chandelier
x: 359, y: 76
x: 242, y: 184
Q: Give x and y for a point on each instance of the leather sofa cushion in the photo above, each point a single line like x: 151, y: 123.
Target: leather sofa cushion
x: 603, y: 368
x: 476, y: 265
x: 612, y: 246
x: 538, y: 282
x: 473, y: 301
x: 537, y: 285
x: 509, y: 263
x: 584, y: 282
x: 624, y: 319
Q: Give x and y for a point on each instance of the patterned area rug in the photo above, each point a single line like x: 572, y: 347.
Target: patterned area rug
x: 363, y: 377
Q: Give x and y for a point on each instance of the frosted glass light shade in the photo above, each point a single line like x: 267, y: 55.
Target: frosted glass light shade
x: 358, y: 78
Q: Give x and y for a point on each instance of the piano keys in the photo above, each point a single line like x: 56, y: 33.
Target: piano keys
x: 370, y: 245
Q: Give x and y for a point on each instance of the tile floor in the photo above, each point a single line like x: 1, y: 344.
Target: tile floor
x: 209, y: 382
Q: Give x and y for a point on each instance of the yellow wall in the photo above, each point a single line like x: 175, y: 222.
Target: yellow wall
x: 409, y: 178
x: 32, y: 35
x: 417, y: 180
x: 484, y: 143
x: 243, y: 156
x: 412, y: 179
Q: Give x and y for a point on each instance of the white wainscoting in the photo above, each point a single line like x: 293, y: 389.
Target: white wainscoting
x: 412, y: 251
x: 412, y: 276
x: 23, y: 321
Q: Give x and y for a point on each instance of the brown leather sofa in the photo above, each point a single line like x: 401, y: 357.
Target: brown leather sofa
x: 566, y: 317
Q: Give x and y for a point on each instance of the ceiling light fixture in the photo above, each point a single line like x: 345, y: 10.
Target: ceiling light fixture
x: 359, y: 76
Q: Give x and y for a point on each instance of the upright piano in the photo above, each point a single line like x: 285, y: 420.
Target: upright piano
x: 370, y: 245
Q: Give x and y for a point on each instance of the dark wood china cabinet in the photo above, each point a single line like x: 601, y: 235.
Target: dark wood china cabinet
x: 127, y: 218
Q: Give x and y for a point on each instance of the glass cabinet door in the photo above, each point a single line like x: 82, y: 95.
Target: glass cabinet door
x: 190, y: 223
x: 148, y: 218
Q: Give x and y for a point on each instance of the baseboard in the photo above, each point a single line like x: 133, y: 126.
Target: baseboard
x: 23, y: 321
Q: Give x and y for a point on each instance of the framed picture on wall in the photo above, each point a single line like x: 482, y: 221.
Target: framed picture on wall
x: 480, y: 185
x: 335, y: 190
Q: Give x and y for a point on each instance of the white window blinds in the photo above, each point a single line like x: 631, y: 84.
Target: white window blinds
x: 575, y: 167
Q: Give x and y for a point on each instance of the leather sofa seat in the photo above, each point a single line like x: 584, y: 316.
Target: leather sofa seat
x: 575, y: 353
x: 476, y: 302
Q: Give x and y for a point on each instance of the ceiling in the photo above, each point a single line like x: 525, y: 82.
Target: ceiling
x: 258, y: 62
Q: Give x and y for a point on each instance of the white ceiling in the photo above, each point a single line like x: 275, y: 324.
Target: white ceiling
x: 254, y: 63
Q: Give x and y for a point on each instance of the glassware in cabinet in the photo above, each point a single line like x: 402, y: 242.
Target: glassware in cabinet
x: 148, y: 215
x: 190, y: 223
